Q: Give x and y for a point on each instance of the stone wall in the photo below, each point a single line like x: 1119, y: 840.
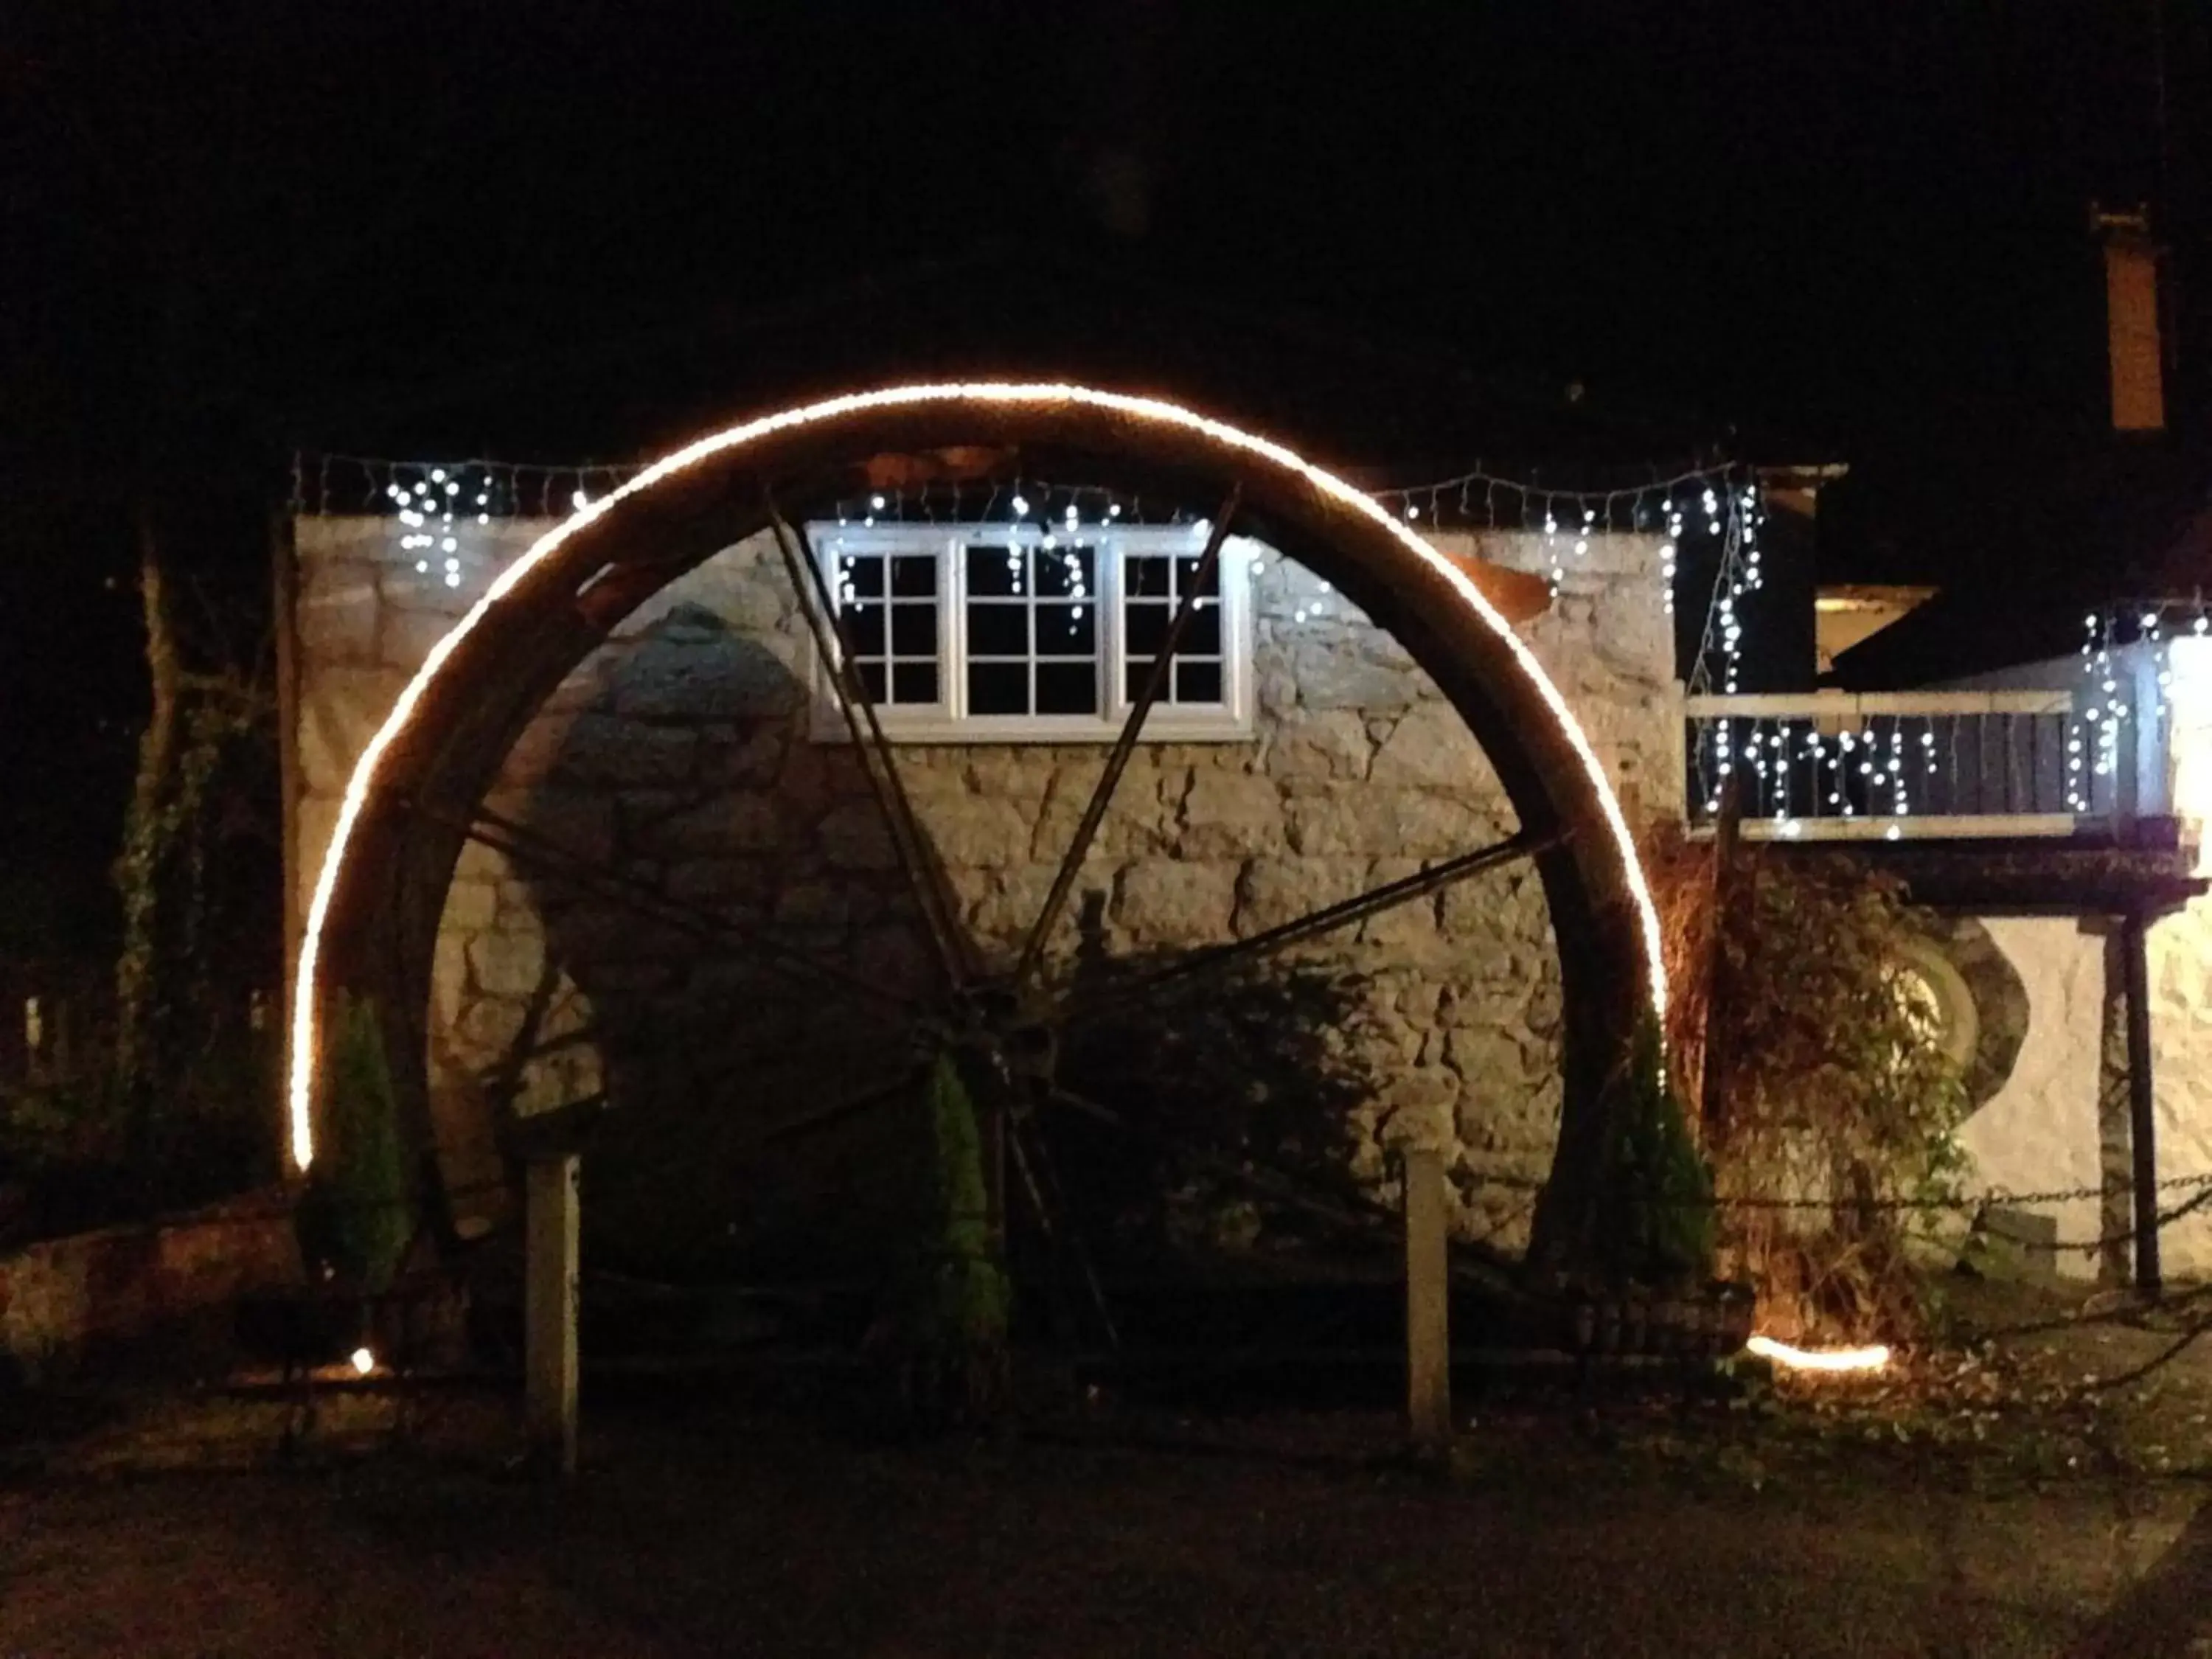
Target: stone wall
x: 681, y: 754
x: 66, y: 1299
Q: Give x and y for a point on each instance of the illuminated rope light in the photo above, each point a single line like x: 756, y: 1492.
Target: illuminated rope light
x: 1873, y: 1358
x: 300, y: 1082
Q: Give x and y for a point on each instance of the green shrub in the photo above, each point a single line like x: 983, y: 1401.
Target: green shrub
x: 1654, y: 1214
x: 945, y: 1328
x: 357, y: 1216
x: 1826, y: 1088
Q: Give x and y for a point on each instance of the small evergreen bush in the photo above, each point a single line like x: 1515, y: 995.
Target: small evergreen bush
x: 357, y: 1216
x: 945, y: 1328
x: 1656, y: 1223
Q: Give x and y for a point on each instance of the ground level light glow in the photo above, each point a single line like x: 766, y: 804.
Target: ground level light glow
x: 307, y: 991
x: 1873, y: 1358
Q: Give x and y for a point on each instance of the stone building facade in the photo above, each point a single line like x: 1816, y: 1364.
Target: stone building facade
x: 687, y: 755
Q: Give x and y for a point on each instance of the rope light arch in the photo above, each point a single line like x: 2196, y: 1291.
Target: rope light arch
x: 577, y: 579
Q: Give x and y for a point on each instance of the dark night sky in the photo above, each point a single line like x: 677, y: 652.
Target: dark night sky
x: 1848, y: 230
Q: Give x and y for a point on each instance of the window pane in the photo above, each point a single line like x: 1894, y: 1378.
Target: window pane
x: 913, y: 682
x: 864, y: 627
x: 1187, y: 574
x: 1147, y: 626
x: 914, y: 575
x: 994, y: 571
x: 1198, y: 682
x: 914, y: 630
x: 872, y: 676
x: 998, y: 688
x: 1063, y: 572
x: 1203, y: 637
x: 861, y: 576
x: 998, y: 630
x: 1066, y: 630
x: 1066, y: 688
x: 1146, y: 577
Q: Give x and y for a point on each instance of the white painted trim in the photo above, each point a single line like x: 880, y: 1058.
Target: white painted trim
x: 1912, y: 827
x: 1819, y: 705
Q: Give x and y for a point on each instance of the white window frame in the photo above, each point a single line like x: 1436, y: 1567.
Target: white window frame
x: 948, y: 720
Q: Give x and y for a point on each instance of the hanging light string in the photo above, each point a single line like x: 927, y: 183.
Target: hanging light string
x: 2114, y: 689
x: 327, y: 485
x: 1469, y: 501
x: 1721, y: 501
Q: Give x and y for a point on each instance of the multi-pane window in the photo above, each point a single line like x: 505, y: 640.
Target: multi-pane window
x: 1032, y: 627
x: 889, y: 611
x: 1152, y: 586
x: 1006, y: 632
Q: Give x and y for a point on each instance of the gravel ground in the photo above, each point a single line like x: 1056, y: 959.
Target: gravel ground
x: 1931, y: 1517
x: 723, y: 1532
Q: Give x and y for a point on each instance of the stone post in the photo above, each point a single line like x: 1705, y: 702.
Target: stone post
x: 1428, y: 1295
x: 548, y: 1307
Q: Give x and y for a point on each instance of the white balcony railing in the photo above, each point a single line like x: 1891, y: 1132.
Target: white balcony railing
x: 1839, y: 766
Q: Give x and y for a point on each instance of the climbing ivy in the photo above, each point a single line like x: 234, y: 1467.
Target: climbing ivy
x: 173, y: 1014
x: 1827, y: 1095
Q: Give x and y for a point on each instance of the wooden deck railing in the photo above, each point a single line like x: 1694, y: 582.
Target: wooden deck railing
x: 1844, y: 766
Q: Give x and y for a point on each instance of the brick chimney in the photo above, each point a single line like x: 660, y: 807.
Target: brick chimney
x: 2131, y: 320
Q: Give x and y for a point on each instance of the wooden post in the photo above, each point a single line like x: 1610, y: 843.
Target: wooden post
x: 1428, y: 1302
x: 2142, y: 1125
x: 548, y: 1307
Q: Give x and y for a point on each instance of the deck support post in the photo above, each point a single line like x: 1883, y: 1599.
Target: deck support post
x: 1428, y: 1302
x: 551, y: 1263
x: 2142, y: 1125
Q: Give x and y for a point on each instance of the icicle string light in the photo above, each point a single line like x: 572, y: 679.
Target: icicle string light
x: 1479, y: 500
x: 300, y: 1092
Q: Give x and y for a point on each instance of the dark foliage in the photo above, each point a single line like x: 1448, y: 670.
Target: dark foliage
x: 358, y: 1214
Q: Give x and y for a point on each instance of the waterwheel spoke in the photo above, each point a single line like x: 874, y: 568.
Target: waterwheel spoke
x: 1125, y: 744
x: 1101, y: 999
x: 877, y: 758
x: 854, y: 1105
x: 1040, y: 1180
x: 532, y: 849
